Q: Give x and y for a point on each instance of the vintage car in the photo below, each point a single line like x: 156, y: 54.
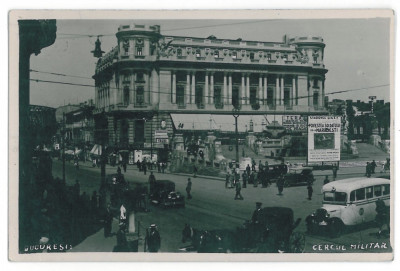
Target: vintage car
x: 348, y: 202
x: 299, y: 176
x: 162, y: 192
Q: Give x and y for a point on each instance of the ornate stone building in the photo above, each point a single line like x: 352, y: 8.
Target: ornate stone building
x: 149, y: 77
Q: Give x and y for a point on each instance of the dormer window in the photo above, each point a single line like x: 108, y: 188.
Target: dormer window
x: 251, y: 56
x: 179, y: 52
x: 198, y: 53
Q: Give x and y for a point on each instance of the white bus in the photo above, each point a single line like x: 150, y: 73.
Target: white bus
x: 349, y: 202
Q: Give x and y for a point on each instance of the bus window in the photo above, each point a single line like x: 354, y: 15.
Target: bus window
x: 378, y: 190
x: 369, y: 192
x: 353, y: 196
x: 360, y: 194
x: 386, y: 189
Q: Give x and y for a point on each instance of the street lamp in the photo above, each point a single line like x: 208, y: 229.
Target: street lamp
x: 235, y: 113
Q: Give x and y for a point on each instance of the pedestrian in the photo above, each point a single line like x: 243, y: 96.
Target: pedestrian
x: 231, y: 180
x: 373, y: 166
x: 194, y: 171
x: 159, y: 167
x: 260, y: 165
x: 280, y: 184
x: 368, y: 170
x: 76, y: 162
x: 334, y: 172
x: 144, y: 168
x: 253, y: 179
x: 139, y: 165
x: 227, y: 180
x: 153, y: 239
x: 382, y: 216
x: 108, y: 217
x: 122, y: 214
x: 237, y: 178
x: 309, y: 190
x: 326, y: 179
x: 245, y: 177
x: 238, y: 189
x: 255, y: 216
x: 253, y: 165
x: 122, y: 242
x: 163, y: 166
x: 248, y: 169
x: 124, y: 166
x: 189, y: 188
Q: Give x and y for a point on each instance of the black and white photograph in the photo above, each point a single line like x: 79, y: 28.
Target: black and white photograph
x: 184, y: 135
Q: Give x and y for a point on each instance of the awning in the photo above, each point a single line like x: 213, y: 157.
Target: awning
x: 224, y: 123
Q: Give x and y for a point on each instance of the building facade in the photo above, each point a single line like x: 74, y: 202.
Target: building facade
x: 147, y: 78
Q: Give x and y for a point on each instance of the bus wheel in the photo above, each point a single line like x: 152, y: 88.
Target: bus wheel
x: 335, y: 227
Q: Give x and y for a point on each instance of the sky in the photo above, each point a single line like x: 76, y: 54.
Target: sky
x: 356, y: 52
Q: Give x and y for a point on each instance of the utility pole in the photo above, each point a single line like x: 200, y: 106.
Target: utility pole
x: 235, y: 112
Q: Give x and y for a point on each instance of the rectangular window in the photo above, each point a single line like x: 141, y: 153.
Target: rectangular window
x: 378, y: 190
x: 180, y: 95
x: 139, y: 95
x: 369, y: 192
x: 234, y: 54
x: 315, y: 98
x: 139, y: 51
x: 386, y: 189
x: 216, y: 54
x: 251, y: 56
x: 360, y: 194
x: 269, y: 57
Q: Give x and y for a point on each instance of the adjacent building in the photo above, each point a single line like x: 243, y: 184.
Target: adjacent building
x: 149, y: 83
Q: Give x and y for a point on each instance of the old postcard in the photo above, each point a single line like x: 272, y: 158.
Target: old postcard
x: 257, y: 135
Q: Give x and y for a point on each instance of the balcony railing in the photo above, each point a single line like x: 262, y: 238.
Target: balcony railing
x: 219, y: 105
x: 139, y: 57
x: 271, y: 61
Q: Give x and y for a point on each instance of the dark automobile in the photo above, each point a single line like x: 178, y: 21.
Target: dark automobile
x: 163, y: 193
x: 301, y: 176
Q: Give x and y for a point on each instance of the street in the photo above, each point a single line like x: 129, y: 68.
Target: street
x: 213, y: 207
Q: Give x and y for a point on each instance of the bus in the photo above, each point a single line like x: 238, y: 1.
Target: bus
x: 348, y: 202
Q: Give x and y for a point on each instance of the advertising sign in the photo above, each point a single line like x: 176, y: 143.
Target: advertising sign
x: 294, y: 123
x: 324, y: 138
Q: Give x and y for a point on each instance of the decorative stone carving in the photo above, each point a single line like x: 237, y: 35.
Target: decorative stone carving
x: 163, y: 48
x: 302, y: 57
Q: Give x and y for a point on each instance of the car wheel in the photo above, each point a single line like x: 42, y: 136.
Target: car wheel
x: 335, y: 227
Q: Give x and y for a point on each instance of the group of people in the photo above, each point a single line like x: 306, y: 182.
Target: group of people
x: 371, y: 166
x: 146, y: 164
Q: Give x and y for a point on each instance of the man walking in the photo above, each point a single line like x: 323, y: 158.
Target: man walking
x: 280, y: 183
x: 334, y: 172
x: 108, y: 217
x: 189, y: 189
x: 310, y: 190
x: 373, y: 166
x: 245, y: 177
x: 238, y: 189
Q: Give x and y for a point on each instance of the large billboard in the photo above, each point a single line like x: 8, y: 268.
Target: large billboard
x: 324, y: 138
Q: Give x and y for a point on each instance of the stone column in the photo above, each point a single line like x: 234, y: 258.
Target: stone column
x: 243, y: 98
x: 212, y: 88
x: 265, y: 89
x: 320, y: 98
x: 310, y: 92
x: 247, y: 88
x: 230, y: 89
x: 206, y: 92
x: 225, y: 91
x: 193, y: 92
x: 187, y: 89
x: 277, y: 93
x: 260, y: 89
x: 294, y: 96
x: 282, y: 91
x: 173, y: 87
